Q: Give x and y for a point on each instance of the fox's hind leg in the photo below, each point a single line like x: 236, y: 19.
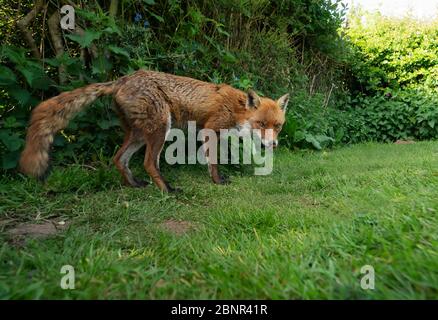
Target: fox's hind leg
x: 155, y: 141
x: 134, y: 140
x: 149, y: 114
x: 131, y: 145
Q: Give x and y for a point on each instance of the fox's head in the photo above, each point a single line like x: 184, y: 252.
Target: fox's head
x: 266, y: 114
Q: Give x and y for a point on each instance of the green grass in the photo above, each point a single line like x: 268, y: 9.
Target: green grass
x: 303, y: 232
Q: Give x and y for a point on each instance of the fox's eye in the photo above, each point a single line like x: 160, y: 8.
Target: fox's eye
x: 278, y: 127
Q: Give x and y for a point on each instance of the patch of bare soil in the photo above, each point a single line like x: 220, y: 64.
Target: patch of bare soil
x: 19, y: 233
x: 177, y: 227
x: 404, y: 142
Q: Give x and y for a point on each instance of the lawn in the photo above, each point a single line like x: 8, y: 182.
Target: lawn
x: 303, y: 232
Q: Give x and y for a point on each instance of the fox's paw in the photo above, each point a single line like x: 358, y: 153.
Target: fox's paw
x: 173, y: 190
x: 222, y: 180
x: 138, y: 183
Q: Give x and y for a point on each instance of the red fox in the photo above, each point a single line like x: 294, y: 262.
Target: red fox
x: 148, y: 104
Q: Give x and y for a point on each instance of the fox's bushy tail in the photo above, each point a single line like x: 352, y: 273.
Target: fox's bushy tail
x: 51, y: 116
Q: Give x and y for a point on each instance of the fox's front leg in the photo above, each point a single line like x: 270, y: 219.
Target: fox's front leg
x: 210, y: 144
x: 216, y: 176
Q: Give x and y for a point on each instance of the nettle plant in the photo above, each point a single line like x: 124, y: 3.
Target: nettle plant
x: 21, y: 80
x: 26, y: 80
x: 402, y: 115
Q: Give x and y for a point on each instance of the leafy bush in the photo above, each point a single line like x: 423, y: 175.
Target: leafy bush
x: 392, y: 75
x: 394, y: 53
x: 306, y: 122
x: 402, y: 115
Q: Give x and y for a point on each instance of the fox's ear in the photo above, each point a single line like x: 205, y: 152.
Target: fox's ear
x: 252, y: 99
x: 283, y: 101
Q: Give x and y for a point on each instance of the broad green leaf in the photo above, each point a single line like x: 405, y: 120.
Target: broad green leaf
x: 299, y: 136
x: 159, y: 18
x: 10, y: 160
x: 64, y: 59
x: 35, y: 77
x: 7, y: 76
x: 86, y: 39
x: 14, y: 54
x: 118, y: 50
x: 113, y: 28
x: 324, y: 140
x: 11, y: 140
x: 11, y: 122
x: 21, y: 95
x: 106, y: 124
x: 311, y: 139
